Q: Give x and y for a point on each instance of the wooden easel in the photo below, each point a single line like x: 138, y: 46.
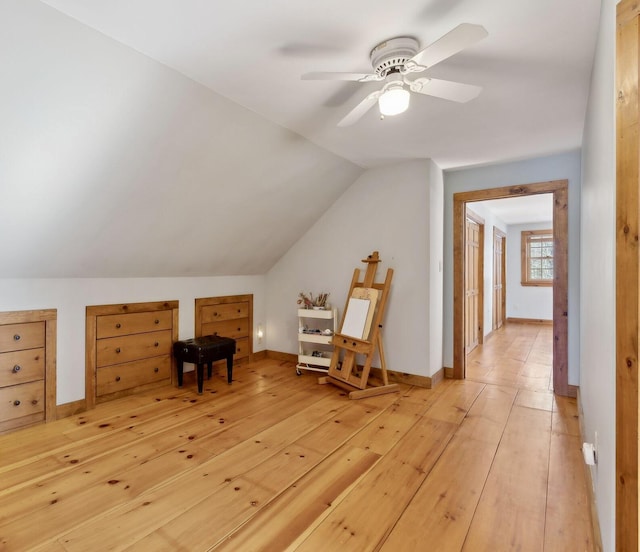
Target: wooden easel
x: 347, y: 375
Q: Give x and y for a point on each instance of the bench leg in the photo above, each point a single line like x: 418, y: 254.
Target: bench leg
x: 200, y: 378
x: 180, y: 368
x: 229, y: 369
x: 209, y: 369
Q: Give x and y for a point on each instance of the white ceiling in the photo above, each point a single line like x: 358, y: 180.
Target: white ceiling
x: 520, y: 210
x: 534, y: 67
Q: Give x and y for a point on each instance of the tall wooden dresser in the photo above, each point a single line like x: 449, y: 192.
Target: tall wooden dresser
x: 129, y: 348
x: 27, y: 368
x: 227, y: 316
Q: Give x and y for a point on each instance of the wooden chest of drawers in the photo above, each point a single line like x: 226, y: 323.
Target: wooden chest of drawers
x: 129, y: 348
x: 227, y: 316
x: 27, y: 368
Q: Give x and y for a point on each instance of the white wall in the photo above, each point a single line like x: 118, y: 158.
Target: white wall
x: 71, y: 296
x: 597, y: 270
x: 555, y: 167
x: 490, y: 220
x: 396, y: 211
x: 525, y: 301
x: 434, y: 258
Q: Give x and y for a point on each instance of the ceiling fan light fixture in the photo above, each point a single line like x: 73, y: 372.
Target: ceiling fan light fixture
x: 393, y: 101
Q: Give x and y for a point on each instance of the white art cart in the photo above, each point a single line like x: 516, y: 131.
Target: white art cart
x: 315, y: 332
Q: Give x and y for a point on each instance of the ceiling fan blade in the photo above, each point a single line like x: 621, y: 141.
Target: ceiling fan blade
x: 447, y: 90
x: 359, y: 110
x: 456, y: 40
x: 359, y: 77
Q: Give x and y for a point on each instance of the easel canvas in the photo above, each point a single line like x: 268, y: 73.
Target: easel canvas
x: 359, y: 312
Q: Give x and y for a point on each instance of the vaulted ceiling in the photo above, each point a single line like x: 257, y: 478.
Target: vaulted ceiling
x: 163, y: 138
x: 534, y: 68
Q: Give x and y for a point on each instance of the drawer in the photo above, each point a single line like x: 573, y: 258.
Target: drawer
x: 15, y: 337
x: 111, y: 379
x: 21, y: 366
x: 227, y: 311
x: 112, y: 325
x: 242, y: 348
x: 22, y: 400
x: 227, y: 328
x: 116, y: 350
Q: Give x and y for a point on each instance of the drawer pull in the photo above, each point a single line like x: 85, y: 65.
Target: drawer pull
x: 117, y: 349
x: 16, y: 403
x: 156, y: 344
x: 118, y: 325
x: 16, y: 368
x: 117, y: 378
x: 16, y: 337
x: 156, y: 370
x: 156, y: 321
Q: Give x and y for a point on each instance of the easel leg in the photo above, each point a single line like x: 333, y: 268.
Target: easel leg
x: 383, y: 363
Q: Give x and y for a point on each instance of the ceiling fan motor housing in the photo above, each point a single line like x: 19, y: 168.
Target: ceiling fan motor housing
x: 391, y: 55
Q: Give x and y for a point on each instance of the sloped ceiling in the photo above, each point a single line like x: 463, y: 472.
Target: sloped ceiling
x: 534, y: 68
x: 113, y: 165
x: 163, y: 138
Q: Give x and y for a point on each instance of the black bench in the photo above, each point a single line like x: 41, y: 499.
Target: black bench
x: 201, y: 350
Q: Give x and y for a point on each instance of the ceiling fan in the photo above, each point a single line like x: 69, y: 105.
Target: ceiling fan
x: 395, y: 59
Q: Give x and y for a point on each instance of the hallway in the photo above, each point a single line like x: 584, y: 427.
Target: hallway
x: 518, y: 355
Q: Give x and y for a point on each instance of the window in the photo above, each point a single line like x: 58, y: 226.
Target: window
x: 537, y: 258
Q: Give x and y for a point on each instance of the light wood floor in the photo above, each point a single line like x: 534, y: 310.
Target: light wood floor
x: 277, y: 462
x: 519, y: 355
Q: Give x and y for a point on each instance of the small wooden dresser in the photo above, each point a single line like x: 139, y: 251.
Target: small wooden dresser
x: 129, y: 348
x: 27, y: 368
x: 228, y: 316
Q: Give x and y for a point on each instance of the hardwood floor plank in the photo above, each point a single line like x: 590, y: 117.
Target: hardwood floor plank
x: 232, y: 503
x: 403, y: 471
x: 455, y: 401
x: 565, y: 416
x: 520, y: 348
x: 567, y: 499
x: 540, y: 399
x: 186, y: 491
x: 383, y: 435
x: 511, y: 512
x: 276, y: 524
x: 442, y: 509
x: 137, y: 469
x: 327, y: 437
x: 193, y: 528
x: 186, y: 423
x: 32, y: 443
x: 362, y: 520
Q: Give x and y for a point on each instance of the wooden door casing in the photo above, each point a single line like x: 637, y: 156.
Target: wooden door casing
x: 627, y: 274
x: 560, y: 191
x: 499, y: 278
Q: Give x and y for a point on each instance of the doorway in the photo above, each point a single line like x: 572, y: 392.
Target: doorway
x: 559, y: 189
